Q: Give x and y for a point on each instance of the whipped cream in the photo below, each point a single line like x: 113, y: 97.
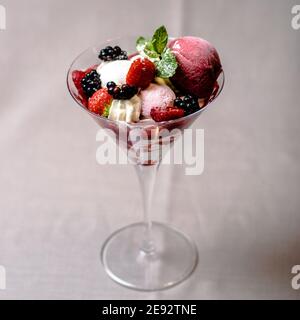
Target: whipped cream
x: 115, y: 71
x: 125, y: 110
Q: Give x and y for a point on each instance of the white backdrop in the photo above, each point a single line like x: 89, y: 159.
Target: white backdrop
x: 57, y: 206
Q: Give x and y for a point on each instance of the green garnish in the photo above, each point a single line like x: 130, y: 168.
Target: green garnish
x: 156, y: 50
x: 160, y: 39
x: 167, y: 64
x: 106, y: 111
x: 140, y: 43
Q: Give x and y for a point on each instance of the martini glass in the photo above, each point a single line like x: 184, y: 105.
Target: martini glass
x: 146, y: 255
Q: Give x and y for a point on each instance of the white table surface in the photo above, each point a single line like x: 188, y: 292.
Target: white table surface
x: 57, y: 205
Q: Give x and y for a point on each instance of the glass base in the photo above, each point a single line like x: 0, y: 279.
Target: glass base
x: 174, y: 257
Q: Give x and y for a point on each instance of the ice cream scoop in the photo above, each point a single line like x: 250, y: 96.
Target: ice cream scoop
x: 198, y: 66
x: 125, y: 110
x: 156, y: 96
x: 115, y: 71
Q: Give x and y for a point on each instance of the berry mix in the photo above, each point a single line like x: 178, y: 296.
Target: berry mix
x: 163, y: 80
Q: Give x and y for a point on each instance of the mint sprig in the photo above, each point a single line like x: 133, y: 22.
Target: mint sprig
x: 160, y: 39
x: 150, y: 52
x: 167, y: 65
x: 156, y: 50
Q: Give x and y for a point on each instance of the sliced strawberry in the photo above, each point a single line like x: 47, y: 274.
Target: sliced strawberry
x: 77, y: 76
x: 141, y: 73
x: 99, y: 101
x: 171, y: 113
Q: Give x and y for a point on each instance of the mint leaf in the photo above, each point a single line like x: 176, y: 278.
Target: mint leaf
x: 106, y: 111
x: 167, y: 66
x: 145, y: 47
x: 160, y: 39
x: 149, y: 50
x: 140, y: 40
x: 140, y: 44
x: 156, y: 50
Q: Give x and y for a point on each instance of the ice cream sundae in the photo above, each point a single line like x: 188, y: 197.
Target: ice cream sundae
x: 144, y: 92
x: 162, y: 80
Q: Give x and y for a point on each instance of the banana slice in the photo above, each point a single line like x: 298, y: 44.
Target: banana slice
x: 125, y: 110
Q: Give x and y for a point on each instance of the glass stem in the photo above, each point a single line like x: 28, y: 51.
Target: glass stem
x: 147, y: 176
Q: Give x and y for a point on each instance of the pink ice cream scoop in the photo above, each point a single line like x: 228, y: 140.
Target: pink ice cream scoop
x: 156, y: 96
x: 198, y: 66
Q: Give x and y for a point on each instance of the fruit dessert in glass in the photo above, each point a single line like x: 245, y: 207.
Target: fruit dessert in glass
x: 147, y: 87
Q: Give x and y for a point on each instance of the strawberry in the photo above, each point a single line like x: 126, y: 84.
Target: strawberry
x: 100, y: 100
x: 170, y: 113
x: 141, y: 73
x: 77, y: 76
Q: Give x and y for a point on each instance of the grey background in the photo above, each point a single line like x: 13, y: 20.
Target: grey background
x: 57, y: 205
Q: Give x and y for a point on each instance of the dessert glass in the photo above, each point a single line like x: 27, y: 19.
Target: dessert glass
x: 146, y: 255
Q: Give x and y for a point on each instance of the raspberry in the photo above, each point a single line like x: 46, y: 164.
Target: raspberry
x: 171, y: 113
x: 77, y: 76
x: 99, y: 101
x: 141, y: 73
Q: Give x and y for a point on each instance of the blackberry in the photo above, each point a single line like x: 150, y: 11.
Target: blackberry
x: 91, y: 83
x: 112, y: 53
x: 117, y: 50
x: 188, y: 103
x: 122, y: 92
x: 110, y: 87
